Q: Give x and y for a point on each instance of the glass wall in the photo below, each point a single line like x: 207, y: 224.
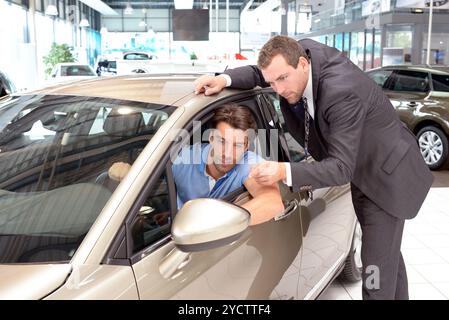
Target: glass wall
x: 439, y: 48
x: 356, y: 52
x: 398, y: 45
x: 377, y: 61
x: 339, y: 41
x: 346, y: 43
x: 368, y: 50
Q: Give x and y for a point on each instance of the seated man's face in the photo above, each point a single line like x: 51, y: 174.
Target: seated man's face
x: 228, y: 146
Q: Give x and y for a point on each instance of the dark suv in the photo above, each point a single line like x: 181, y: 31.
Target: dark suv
x: 420, y: 95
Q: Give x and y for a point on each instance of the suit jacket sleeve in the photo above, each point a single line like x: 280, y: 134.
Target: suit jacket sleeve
x: 246, y: 77
x: 346, y: 117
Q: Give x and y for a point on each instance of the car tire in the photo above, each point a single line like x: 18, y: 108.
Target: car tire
x: 352, y: 271
x: 434, y: 147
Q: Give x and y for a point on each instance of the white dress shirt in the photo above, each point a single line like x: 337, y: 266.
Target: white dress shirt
x: 308, y: 94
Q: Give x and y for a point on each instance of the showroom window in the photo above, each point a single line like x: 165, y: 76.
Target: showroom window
x: 398, y: 48
x: 39, y: 5
x: 439, y: 47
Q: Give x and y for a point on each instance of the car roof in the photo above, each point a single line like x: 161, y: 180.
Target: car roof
x: 426, y: 68
x: 160, y: 89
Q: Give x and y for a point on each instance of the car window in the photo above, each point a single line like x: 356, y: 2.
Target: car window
x: 112, y: 65
x: 79, y: 70
x: 55, y: 158
x: 440, y: 82
x: 136, y: 56
x: 380, y: 76
x: 413, y: 81
x: 295, y: 150
x: 153, y: 221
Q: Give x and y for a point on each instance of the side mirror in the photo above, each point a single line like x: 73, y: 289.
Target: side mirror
x: 203, y: 224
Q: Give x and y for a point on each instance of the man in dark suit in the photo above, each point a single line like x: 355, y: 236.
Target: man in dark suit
x: 349, y: 126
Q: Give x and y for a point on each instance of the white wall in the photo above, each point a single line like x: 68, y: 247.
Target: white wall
x: 23, y: 60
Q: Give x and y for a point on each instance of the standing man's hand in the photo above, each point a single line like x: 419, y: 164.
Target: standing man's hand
x: 268, y: 173
x: 118, y: 171
x: 209, y: 84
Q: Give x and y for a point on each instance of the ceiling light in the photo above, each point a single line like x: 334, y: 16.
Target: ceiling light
x: 128, y: 9
x: 51, y: 10
x: 183, y: 4
x: 84, y: 22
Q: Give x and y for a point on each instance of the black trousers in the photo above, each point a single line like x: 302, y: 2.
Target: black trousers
x: 384, y: 275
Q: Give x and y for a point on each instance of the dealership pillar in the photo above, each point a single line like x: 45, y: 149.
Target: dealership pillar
x: 284, y: 10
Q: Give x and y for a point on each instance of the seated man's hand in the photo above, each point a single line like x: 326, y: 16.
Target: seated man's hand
x: 118, y: 170
x: 268, y: 172
x: 161, y: 218
x: 209, y: 84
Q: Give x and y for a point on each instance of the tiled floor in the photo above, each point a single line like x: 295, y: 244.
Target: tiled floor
x: 425, y: 247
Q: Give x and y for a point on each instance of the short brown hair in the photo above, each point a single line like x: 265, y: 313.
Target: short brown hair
x: 236, y: 116
x: 289, y: 48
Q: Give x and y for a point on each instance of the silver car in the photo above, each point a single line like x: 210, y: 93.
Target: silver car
x: 69, y: 231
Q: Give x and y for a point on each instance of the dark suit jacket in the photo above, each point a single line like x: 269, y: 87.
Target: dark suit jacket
x: 365, y: 142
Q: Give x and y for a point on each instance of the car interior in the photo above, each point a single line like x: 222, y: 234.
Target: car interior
x: 52, y: 167
x: 154, y: 219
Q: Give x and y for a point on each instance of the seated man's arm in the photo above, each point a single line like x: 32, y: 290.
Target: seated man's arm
x: 266, y: 202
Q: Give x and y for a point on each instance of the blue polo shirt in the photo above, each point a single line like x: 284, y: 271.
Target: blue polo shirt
x: 192, y: 180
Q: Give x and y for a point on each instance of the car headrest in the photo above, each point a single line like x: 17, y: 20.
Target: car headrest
x: 123, y: 125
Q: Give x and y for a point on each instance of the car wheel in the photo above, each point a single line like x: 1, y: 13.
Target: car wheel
x: 352, y: 270
x: 434, y: 147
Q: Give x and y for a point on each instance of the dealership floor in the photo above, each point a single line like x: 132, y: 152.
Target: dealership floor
x: 425, y: 247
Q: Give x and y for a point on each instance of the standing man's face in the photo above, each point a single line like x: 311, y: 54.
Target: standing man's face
x: 287, y: 81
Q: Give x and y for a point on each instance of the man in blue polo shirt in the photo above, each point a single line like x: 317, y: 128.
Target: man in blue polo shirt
x: 213, y: 170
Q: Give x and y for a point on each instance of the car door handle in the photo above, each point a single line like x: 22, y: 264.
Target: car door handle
x: 412, y: 104
x: 291, y: 208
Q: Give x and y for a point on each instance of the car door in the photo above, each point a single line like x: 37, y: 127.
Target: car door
x: 263, y: 263
x: 408, y: 91
x: 327, y: 218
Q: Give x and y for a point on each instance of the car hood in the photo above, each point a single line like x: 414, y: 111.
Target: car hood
x: 31, y: 281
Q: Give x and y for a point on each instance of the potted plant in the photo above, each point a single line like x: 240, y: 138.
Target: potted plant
x: 59, y: 53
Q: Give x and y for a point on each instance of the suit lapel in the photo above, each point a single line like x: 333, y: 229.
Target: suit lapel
x: 315, y: 76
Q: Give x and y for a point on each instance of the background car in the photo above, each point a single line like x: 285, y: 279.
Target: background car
x: 69, y: 231
x: 71, y: 71
x: 6, y: 85
x: 420, y: 95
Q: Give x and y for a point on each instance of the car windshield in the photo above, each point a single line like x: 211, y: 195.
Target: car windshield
x: 67, y: 71
x: 55, y: 152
